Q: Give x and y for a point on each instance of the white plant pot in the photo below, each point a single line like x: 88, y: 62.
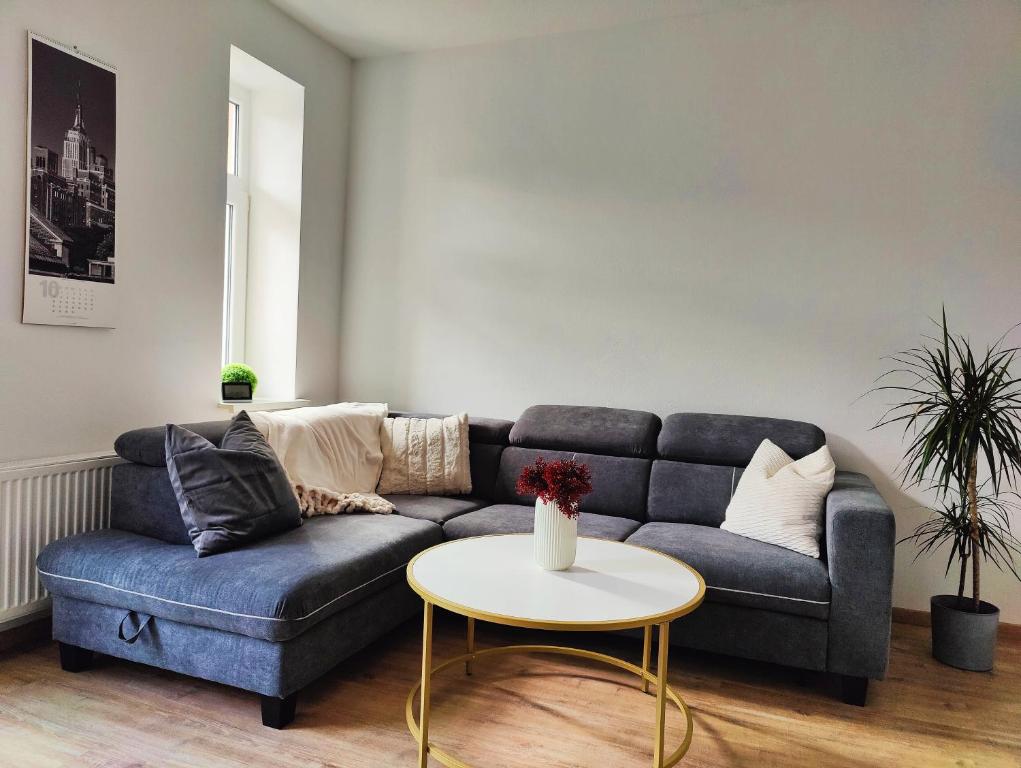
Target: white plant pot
x: 554, y: 538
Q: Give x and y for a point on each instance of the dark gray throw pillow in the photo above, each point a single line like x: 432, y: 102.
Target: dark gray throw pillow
x: 232, y: 494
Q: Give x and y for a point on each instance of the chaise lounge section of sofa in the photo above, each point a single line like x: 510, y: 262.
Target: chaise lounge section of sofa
x: 273, y: 616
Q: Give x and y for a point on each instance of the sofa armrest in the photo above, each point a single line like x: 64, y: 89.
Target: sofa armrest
x: 860, y: 541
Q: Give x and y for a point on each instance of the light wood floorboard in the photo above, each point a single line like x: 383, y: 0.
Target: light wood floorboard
x: 515, y: 712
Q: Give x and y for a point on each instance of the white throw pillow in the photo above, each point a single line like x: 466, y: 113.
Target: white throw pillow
x: 425, y: 456
x: 780, y: 501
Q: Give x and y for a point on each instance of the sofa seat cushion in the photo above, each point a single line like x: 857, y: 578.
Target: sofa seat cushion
x: 740, y: 571
x: 438, y: 509
x: 515, y: 518
x: 274, y: 589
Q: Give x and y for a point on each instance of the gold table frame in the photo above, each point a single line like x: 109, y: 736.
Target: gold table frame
x: 420, y: 729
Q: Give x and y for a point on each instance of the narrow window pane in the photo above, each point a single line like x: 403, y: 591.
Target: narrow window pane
x: 232, y: 138
x: 228, y: 279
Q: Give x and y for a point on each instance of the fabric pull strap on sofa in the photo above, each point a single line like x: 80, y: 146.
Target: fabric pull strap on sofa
x: 275, y: 615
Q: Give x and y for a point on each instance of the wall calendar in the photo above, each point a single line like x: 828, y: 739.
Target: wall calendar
x: 70, y: 229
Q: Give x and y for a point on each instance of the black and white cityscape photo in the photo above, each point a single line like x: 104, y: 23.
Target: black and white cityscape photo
x: 72, y: 155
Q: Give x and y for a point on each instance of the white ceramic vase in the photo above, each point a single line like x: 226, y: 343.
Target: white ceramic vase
x: 554, y: 538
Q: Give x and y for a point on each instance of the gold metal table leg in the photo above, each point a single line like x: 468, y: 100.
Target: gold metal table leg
x: 470, y: 645
x: 440, y: 755
x: 427, y: 663
x: 646, y: 656
x: 662, y: 666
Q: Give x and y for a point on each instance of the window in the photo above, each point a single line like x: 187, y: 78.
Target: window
x: 236, y: 230
x: 233, y: 108
x: 262, y: 223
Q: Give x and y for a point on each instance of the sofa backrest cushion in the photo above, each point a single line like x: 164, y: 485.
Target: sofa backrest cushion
x: 142, y: 501
x: 485, y: 463
x: 620, y: 485
x: 730, y: 441
x: 146, y: 446
x: 690, y: 493
x: 702, y: 456
x: 587, y: 429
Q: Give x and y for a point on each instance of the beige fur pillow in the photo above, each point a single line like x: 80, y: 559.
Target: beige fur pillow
x: 425, y: 456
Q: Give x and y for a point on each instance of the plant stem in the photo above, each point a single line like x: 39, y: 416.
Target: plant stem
x: 973, y: 517
x: 960, y: 582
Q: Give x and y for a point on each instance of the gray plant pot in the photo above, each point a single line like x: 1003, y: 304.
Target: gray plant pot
x: 961, y: 638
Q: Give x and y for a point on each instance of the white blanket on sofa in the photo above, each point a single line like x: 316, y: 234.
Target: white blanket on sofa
x: 331, y: 454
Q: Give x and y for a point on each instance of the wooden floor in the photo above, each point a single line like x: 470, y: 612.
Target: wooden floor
x: 515, y: 711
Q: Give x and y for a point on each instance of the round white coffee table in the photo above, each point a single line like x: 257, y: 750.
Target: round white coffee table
x: 611, y: 586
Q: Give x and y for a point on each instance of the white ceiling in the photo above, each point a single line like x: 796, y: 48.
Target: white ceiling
x: 378, y: 27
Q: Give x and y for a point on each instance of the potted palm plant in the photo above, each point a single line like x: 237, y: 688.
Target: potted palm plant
x: 961, y: 413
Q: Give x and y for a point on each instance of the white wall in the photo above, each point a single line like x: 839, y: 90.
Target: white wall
x: 739, y: 212
x: 72, y: 390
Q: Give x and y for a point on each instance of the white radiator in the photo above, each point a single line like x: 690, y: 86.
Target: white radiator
x: 41, y: 501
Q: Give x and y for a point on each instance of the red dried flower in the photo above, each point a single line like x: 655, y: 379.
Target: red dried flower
x: 532, y: 480
x: 563, y: 482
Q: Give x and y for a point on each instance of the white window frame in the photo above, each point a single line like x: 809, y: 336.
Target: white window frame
x: 238, y: 206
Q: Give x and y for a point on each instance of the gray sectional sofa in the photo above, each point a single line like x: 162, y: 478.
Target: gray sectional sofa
x: 273, y: 616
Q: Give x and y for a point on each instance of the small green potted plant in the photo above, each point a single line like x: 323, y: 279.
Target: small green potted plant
x: 234, y: 374
x: 963, y: 414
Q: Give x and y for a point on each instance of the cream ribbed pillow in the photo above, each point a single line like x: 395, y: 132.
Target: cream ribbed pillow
x: 425, y: 456
x: 779, y: 500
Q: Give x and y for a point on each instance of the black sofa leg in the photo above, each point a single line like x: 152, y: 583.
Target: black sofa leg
x: 277, y: 713
x: 853, y: 690
x: 74, y: 659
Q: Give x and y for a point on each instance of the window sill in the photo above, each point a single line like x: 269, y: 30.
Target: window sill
x: 262, y: 404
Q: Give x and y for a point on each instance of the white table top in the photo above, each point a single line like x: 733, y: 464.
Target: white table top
x: 610, y: 586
